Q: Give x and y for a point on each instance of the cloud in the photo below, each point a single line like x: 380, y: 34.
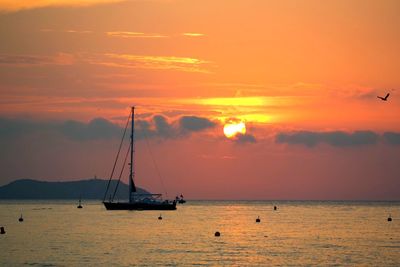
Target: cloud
x: 194, y: 124
x: 96, y: 129
x: 245, y: 138
x: 162, y: 127
x: 13, y: 6
x: 36, y: 60
x: 10, y: 128
x: 124, y: 34
x: 192, y: 34
x: 335, y: 138
x: 69, y: 31
x: 392, y: 138
x: 186, y: 64
x: 78, y: 31
x: 157, y: 126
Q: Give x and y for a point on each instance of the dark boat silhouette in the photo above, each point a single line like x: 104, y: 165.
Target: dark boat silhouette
x: 180, y: 200
x: 136, y: 201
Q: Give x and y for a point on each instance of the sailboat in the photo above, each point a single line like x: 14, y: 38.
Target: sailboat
x: 136, y: 201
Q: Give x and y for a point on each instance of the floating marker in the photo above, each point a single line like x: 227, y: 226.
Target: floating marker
x: 390, y: 218
x: 21, y: 219
x: 159, y: 217
x: 79, y: 205
x: 275, y: 208
x: 217, y: 233
x: 2, y: 231
x: 258, y: 219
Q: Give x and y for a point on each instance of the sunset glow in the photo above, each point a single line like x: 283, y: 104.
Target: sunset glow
x: 247, y: 133
x: 284, y: 91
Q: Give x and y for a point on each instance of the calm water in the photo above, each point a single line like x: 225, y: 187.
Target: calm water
x: 299, y: 233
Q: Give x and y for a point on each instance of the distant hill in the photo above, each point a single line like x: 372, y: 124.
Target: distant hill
x: 86, y: 189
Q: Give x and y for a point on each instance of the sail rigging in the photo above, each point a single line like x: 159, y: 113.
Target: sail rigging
x: 155, y: 165
x: 120, y: 174
x: 116, y: 158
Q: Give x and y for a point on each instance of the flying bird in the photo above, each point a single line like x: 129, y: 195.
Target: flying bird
x: 384, y: 98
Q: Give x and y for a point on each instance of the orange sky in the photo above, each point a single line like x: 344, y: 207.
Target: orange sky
x: 282, y: 67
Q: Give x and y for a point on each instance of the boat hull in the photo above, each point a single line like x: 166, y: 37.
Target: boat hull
x: 139, y: 206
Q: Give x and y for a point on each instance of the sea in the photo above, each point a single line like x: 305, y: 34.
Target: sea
x: 298, y: 233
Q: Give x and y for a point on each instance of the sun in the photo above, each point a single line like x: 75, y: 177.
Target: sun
x: 232, y: 129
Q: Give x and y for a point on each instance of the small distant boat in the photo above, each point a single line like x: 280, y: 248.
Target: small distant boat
x: 180, y: 199
x: 137, y: 201
x: 80, y: 204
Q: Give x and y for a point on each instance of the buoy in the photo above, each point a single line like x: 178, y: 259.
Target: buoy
x: 21, y: 219
x: 217, y: 233
x: 2, y: 231
x: 390, y: 218
x: 79, y: 205
x: 275, y: 208
x: 258, y: 219
x: 159, y: 217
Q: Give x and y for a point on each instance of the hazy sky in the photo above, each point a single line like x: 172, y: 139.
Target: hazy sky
x: 302, y: 75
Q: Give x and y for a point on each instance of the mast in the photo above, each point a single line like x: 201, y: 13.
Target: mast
x: 132, y: 187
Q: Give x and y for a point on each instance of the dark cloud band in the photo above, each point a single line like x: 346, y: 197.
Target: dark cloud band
x: 392, y: 138
x: 337, y: 138
x: 157, y: 126
x: 245, y: 138
x: 193, y: 123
